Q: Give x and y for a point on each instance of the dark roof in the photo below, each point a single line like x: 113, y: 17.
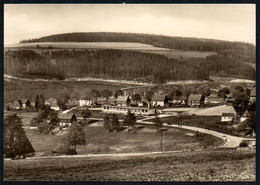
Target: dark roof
x: 159, y: 97
x: 195, y: 97
x: 228, y: 114
x: 253, y: 92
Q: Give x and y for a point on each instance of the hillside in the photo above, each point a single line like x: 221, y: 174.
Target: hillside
x: 180, y: 43
x: 102, y: 63
x: 144, y: 57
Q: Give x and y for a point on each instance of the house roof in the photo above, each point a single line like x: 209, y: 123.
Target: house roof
x: 253, y: 92
x: 213, y: 98
x: 229, y: 95
x: 246, y: 114
x: 27, y: 147
x: 99, y: 99
x: 195, y: 97
x: 111, y: 99
x: 228, y: 114
x: 159, y: 97
x: 122, y: 98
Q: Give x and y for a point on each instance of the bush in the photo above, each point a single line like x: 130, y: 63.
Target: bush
x: 243, y: 144
x: 62, y: 148
x: 95, y: 149
x: 71, y: 152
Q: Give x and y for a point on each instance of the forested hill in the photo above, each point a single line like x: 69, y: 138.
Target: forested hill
x: 180, y: 43
x: 108, y: 63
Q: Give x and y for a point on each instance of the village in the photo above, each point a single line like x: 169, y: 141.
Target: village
x: 160, y: 104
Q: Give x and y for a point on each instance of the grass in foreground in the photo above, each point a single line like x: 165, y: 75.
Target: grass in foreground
x: 215, y: 165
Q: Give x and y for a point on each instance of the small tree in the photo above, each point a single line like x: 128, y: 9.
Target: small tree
x: 118, y: 93
x: 130, y: 119
x: 73, y: 119
x: 107, y: 123
x: 158, y: 124
x: 76, y: 135
x: 63, y: 100
x: 86, y: 114
x: 136, y: 98
x: 95, y: 93
x: 115, y: 123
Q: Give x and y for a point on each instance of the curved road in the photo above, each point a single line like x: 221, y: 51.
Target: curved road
x: 230, y: 141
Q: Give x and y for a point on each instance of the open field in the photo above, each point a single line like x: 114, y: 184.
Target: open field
x: 87, y: 45
x: 206, y: 165
x: 207, y: 122
x: 144, y: 139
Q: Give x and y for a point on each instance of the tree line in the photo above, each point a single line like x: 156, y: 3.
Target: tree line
x: 104, y: 63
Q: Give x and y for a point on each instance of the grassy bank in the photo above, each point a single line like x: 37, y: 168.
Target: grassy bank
x: 215, y: 165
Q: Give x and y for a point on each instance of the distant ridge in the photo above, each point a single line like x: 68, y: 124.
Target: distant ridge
x: 180, y: 43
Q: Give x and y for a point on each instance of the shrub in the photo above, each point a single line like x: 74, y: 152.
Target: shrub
x: 243, y: 144
x: 95, y: 149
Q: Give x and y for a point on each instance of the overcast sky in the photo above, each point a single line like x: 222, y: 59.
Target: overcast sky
x: 226, y: 22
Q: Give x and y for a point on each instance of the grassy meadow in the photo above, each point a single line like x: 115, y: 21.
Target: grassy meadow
x: 214, y: 165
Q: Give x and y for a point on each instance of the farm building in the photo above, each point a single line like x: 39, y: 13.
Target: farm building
x: 196, y: 100
x: 252, y: 95
x: 124, y: 110
x: 123, y: 101
x: 65, y: 120
x: 160, y: 100
x: 227, y: 117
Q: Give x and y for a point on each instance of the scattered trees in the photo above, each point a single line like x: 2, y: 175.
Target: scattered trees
x: 111, y: 123
x: 76, y: 135
x: 118, y: 93
x: 106, y: 93
x: 130, y: 119
x: 46, y: 120
x: 86, y: 114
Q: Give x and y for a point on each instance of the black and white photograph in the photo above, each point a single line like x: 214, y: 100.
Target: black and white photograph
x: 129, y: 92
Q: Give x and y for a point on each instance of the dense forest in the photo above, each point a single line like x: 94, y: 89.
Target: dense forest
x: 103, y: 63
x: 180, y: 43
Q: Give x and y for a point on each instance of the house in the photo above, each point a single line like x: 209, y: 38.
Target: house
x: 65, y: 120
x: 16, y: 105
x: 227, y: 117
x: 101, y: 101
x: 24, y: 103
x: 245, y: 116
x: 85, y: 102
x: 252, y: 96
x: 123, y: 101
x: 52, y: 102
x: 182, y: 100
x: 160, y: 100
x: 213, y: 99
x: 196, y: 100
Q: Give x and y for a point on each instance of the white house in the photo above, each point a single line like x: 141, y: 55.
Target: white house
x: 227, y: 117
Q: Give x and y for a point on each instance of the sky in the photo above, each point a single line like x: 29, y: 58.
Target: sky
x: 231, y: 22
